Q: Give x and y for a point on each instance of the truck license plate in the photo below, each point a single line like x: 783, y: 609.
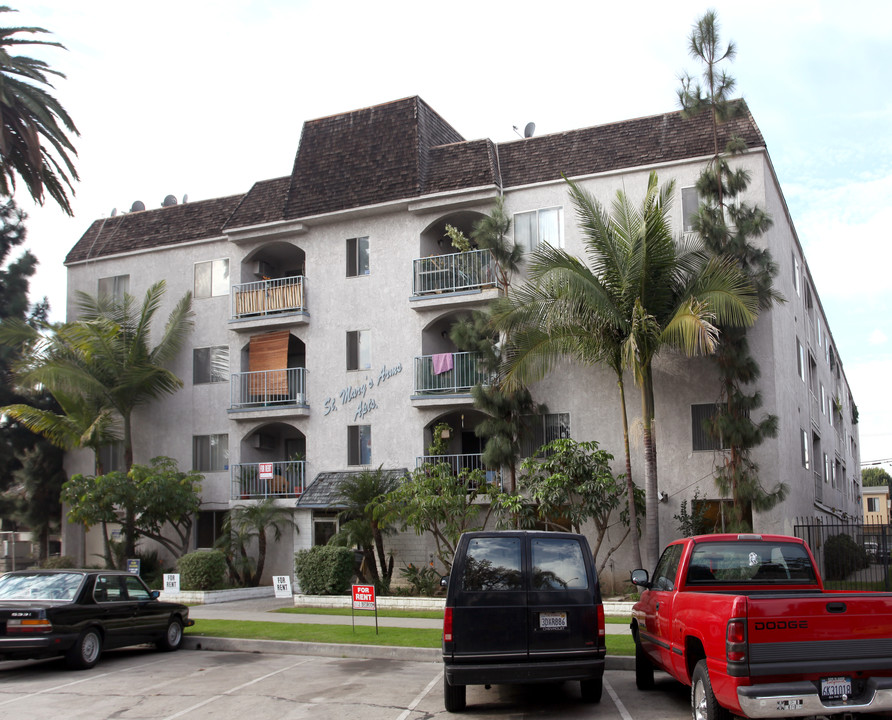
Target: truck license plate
x: 834, y: 688
x: 553, y: 621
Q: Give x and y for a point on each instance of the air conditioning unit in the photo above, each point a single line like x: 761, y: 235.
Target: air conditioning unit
x: 264, y: 442
x: 262, y: 269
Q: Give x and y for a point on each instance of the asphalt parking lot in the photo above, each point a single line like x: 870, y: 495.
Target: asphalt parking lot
x: 140, y: 683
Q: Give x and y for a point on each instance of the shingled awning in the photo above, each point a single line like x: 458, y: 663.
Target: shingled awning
x: 324, y: 492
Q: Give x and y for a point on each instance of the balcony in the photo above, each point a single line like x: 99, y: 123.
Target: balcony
x: 460, y: 463
x: 449, y: 279
x: 448, y: 373
x: 258, y: 481
x: 269, y: 302
x: 269, y: 389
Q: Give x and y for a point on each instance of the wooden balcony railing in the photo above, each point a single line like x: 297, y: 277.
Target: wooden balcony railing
x: 268, y: 297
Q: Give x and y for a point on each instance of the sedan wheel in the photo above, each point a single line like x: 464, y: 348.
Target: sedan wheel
x: 173, y: 636
x: 85, y: 652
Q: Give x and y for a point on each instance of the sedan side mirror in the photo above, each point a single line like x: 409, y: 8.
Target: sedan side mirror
x: 156, y: 594
x: 640, y: 578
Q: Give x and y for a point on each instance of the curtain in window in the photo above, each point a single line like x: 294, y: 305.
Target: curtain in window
x: 550, y: 227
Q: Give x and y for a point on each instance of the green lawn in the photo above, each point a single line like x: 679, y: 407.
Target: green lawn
x: 431, y: 614
x: 363, y: 635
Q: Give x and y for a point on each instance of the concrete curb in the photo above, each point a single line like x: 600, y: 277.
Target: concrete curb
x: 369, y: 652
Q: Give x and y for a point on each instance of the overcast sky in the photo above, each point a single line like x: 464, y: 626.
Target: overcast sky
x: 205, y: 98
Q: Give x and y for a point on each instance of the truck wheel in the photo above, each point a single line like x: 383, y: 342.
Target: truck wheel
x: 704, y: 706
x: 591, y: 690
x: 644, y: 669
x: 86, y: 650
x: 454, y: 696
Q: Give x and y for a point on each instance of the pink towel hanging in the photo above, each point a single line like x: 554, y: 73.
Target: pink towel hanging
x: 442, y: 363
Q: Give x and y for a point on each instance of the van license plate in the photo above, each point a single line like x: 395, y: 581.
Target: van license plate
x: 553, y: 621
x: 834, y: 688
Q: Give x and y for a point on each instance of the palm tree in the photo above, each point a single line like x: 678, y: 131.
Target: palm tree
x: 641, y: 293
x: 33, y: 144
x: 244, y: 525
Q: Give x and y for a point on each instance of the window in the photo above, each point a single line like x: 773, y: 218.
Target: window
x: 210, y: 527
x: 701, y: 438
x: 210, y: 365
x: 359, y: 349
x: 111, y: 457
x: 690, y: 203
x: 114, y: 287
x: 492, y: 563
x: 359, y: 445
x: 136, y: 590
x: 800, y: 360
x: 820, y: 334
x: 539, y: 226
x: 873, y: 504
x: 357, y: 256
x: 558, y: 565
x: 823, y: 401
x: 796, y: 275
x: 667, y: 567
x: 826, y: 469
x: 804, y: 440
x: 212, y: 278
x: 542, y: 429
x: 210, y: 453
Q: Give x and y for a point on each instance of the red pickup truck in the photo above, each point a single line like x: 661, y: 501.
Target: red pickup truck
x: 746, y: 622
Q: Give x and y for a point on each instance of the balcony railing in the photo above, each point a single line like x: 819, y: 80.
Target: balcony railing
x: 268, y: 388
x: 268, y: 297
x: 460, y: 463
x: 470, y: 270
x: 448, y: 373
x: 256, y: 481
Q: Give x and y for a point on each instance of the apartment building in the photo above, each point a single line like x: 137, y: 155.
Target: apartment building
x: 324, y: 300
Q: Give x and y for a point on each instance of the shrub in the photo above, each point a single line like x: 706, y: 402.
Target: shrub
x: 151, y: 570
x: 424, y: 581
x: 324, y: 570
x: 843, y: 556
x: 202, y: 570
x: 59, y: 562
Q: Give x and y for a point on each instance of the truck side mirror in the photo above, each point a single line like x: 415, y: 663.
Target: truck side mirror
x: 640, y: 578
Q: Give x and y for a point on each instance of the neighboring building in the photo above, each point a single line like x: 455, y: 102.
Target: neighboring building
x: 876, y: 505
x: 323, y: 302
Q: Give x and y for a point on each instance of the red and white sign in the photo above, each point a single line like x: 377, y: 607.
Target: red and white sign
x: 266, y: 471
x: 363, y: 597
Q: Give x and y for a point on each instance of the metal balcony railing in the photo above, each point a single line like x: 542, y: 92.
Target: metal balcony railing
x: 470, y: 270
x: 268, y: 297
x: 448, y: 373
x: 256, y: 481
x: 268, y: 388
x: 460, y: 463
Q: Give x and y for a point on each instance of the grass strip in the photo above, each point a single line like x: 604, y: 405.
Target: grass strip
x: 364, y: 635
x: 429, y: 614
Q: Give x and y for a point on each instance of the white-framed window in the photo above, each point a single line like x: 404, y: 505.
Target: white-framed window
x: 797, y: 275
x: 873, y: 504
x: 690, y: 203
x: 359, y: 444
x: 826, y: 469
x: 800, y: 360
x: 114, y: 287
x: 212, y: 278
x: 823, y: 400
x: 539, y: 226
x: 359, y: 349
x: 210, y: 453
x: 804, y: 443
x: 357, y: 256
x: 210, y: 364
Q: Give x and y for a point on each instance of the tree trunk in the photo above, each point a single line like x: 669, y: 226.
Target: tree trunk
x: 651, y: 488
x: 630, y: 484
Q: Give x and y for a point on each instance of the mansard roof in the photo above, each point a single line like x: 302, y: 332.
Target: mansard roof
x: 403, y: 150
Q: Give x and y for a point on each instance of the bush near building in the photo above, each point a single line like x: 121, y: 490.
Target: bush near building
x: 324, y: 570
x: 202, y: 570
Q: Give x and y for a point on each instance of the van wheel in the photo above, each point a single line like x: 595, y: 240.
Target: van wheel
x: 704, y: 706
x: 644, y: 669
x: 591, y: 690
x: 454, y: 696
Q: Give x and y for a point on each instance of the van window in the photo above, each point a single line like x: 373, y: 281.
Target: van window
x: 492, y: 563
x: 558, y: 565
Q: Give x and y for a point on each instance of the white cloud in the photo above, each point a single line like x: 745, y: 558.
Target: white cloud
x: 878, y: 337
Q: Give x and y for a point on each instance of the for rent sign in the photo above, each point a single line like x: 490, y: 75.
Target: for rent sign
x: 364, y: 597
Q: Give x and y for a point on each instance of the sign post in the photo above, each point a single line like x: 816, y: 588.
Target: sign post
x: 364, y: 599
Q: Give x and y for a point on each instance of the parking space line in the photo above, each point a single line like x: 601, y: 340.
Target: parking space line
x: 418, y: 698
x: 209, y: 700
x: 624, y: 714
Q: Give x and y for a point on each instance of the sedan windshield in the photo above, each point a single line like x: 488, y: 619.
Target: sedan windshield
x: 40, y: 586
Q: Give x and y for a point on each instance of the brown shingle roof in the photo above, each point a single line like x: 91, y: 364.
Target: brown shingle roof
x: 154, y: 228
x: 462, y: 165
x: 264, y: 203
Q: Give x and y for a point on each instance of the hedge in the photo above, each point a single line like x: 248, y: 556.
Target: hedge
x: 324, y: 570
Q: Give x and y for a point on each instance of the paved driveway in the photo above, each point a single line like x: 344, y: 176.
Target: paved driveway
x: 141, y: 684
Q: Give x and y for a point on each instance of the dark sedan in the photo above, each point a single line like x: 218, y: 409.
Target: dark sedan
x: 78, y: 613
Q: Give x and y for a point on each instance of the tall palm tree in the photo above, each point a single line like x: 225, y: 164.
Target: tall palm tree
x: 34, y: 145
x: 642, y: 292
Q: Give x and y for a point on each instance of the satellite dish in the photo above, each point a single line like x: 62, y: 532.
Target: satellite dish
x: 137, y: 206
x: 185, y: 199
x: 529, y: 129
x: 114, y: 212
x: 169, y: 201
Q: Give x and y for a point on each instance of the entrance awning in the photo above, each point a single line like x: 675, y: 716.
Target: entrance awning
x: 325, y: 490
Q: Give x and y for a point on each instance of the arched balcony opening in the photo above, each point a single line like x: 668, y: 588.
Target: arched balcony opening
x: 272, y: 463
x: 452, y: 439
x: 443, y: 268
x: 442, y: 368
x: 273, y: 373
x: 272, y: 282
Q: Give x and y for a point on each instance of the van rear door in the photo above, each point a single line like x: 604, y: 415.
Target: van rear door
x: 489, y: 613
x: 563, y: 599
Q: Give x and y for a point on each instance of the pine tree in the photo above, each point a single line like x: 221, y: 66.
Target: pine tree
x: 732, y: 227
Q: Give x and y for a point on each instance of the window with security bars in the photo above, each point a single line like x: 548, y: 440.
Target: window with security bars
x: 542, y: 429
x: 701, y: 438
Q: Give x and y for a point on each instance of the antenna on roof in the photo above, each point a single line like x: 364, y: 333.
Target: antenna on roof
x: 137, y: 206
x: 185, y: 199
x: 528, y: 130
x: 114, y: 212
x: 169, y: 201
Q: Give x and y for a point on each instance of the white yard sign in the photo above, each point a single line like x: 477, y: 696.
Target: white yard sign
x: 171, y: 583
x: 282, y: 584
